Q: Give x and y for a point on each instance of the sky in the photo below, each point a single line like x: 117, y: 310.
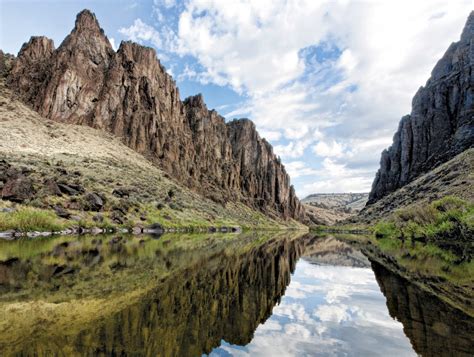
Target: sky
x: 326, y: 82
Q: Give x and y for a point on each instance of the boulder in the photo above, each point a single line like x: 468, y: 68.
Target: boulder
x: 61, y: 212
x: 18, y: 189
x: 121, y: 192
x: 93, y: 202
x: 50, y: 187
x: 68, y: 189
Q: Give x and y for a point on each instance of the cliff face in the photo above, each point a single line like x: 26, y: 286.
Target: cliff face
x: 129, y: 94
x: 441, y: 124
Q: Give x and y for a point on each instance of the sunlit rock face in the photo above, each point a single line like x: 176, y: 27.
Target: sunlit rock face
x: 441, y: 124
x: 433, y: 327
x: 129, y: 94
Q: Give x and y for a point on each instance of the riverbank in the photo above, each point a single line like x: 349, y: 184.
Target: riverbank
x: 429, y: 267
x: 57, y: 177
x: 430, y: 244
x: 32, y: 222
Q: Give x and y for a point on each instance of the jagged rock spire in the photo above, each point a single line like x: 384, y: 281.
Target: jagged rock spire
x: 468, y: 31
x: 86, y: 20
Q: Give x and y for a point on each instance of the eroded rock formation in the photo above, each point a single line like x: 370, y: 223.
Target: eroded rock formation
x: 441, y: 124
x: 129, y: 94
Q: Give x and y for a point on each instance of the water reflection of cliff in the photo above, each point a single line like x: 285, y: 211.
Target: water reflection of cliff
x: 223, y: 296
x: 332, y: 251
x: 433, y: 327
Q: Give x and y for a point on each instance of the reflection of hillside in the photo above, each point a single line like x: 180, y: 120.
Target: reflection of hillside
x: 223, y: 295
x: 433, y: 327
x: 330, y: 251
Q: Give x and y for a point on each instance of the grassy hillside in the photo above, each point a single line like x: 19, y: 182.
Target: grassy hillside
x: 111, y: 184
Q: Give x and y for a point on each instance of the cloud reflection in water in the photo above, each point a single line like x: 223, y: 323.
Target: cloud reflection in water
x: 327, y: 311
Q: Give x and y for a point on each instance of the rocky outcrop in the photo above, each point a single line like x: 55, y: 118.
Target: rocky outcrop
x: 129, y: 94
x: 6, y: 61
x: 441, y: 124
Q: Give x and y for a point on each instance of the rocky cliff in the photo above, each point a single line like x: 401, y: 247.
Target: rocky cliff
x: 128, y: 93
x: 441, y: 124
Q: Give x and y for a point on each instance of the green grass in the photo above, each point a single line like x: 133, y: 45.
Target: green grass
x: 449, y: 215
x: 413, y: 237
x: 27, y: 219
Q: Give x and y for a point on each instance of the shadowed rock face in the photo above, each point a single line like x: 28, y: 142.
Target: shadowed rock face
x: 433, y: 327
x: 441, y: 124
x: 129, y: 94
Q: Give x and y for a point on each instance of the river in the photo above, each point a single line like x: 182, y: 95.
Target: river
x: 218, y: 294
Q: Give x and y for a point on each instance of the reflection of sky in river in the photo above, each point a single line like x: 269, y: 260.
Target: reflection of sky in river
x: 327, y: 311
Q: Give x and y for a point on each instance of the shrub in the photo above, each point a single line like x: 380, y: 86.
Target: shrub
x: 385, y: 229
x: 450, y: 203
x: 419, y: 215
x: 444, y: 219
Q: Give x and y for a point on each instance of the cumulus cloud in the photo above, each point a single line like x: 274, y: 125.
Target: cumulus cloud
x: 344, y: 70
x: 327, y: 310
x: 299, y: 168
x: 140, y: 32
x: 332, y: 313
x: 329, y: 149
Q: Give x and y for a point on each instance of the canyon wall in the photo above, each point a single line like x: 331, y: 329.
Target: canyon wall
x: 441, y: 124
x: 130, y: 94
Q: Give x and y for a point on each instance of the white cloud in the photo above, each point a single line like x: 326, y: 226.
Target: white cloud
x: 293, y: 149
x: 335, y: 177
x: 270, y: 135
x: 331, y: 149
x: 112, y: 42
x: 140, y: 32
x: 267, y: 51
x: 332, y: 313
x: 299, y: 168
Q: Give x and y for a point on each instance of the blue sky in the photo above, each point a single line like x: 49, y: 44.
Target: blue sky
x: 325, y: 82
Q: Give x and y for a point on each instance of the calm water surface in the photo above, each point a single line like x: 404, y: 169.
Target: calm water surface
x: 222, y: 295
